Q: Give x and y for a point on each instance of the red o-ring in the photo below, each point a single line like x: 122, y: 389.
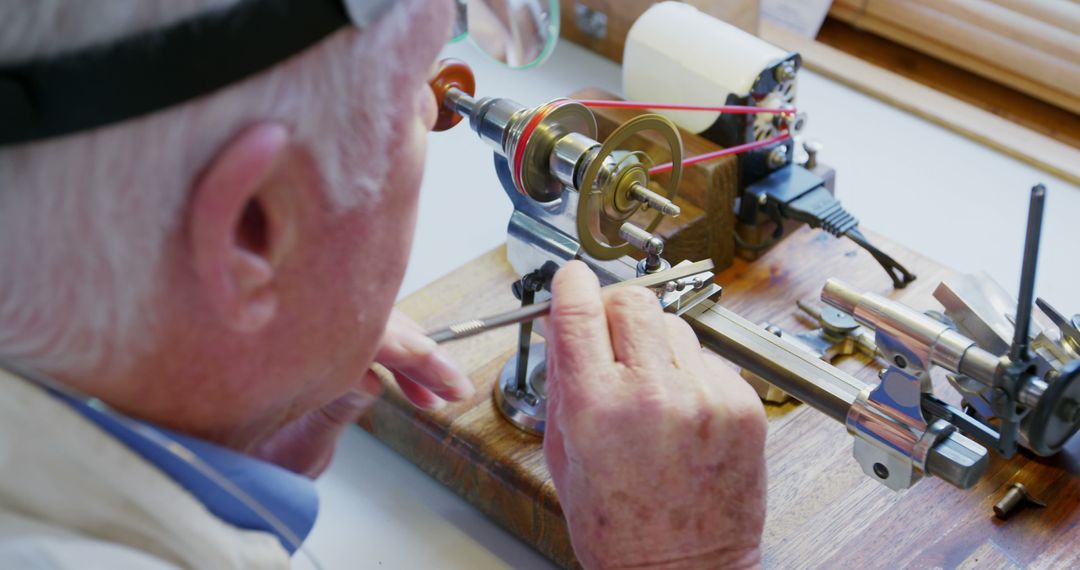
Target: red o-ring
x: 526, y: 133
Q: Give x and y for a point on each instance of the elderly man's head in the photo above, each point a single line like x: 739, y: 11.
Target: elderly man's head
x: 229, y: 263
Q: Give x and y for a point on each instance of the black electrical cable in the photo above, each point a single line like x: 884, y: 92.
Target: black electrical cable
x: 820, y: 209
x: 898, y: 273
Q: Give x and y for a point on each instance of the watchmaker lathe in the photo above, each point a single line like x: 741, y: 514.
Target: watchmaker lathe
x: 577, y: 198
x: 571, y: 196
x: 955, y: 384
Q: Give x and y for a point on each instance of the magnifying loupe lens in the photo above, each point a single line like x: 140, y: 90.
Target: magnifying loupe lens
x: 518, y: 33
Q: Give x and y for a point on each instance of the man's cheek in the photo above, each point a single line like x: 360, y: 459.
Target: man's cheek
x: 390, y: 221
x: 405, y: 184
x: 402, y: 225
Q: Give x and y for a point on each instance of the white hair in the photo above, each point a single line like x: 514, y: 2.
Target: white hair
x: 84, y: 218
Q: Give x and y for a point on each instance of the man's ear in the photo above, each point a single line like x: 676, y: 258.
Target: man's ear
x: 241, y: 225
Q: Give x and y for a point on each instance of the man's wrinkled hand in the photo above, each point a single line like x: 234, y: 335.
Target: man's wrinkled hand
x: 655, y: 446
x: 424, y: 372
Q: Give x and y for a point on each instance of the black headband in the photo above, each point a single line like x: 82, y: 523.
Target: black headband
x: 157, y: 69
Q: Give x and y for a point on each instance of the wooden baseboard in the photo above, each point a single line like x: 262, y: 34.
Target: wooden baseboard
x: 823, y: 512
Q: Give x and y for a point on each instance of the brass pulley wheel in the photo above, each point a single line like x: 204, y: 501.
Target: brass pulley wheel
x: 597, y: 202
x: 530, y: 153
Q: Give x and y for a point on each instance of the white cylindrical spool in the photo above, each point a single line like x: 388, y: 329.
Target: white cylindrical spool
x: 677, y: 54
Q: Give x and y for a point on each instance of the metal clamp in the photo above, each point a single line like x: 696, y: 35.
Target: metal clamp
x: 892, y: 438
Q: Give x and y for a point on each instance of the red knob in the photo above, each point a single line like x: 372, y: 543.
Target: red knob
x: 451, y: 73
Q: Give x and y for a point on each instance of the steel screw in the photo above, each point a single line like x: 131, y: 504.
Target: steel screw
x: 592, y: 23
x: 797, y: 123
x: 812, y: 149
x: 786, y: 72
x: 777, y: 157
x: 881, y: 471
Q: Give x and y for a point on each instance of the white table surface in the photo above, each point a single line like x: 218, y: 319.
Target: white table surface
x: 918, y: 184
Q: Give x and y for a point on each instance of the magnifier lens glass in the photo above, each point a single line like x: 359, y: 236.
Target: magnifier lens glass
x: 518, y: 33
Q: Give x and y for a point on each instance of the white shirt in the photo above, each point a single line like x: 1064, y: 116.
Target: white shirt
x: 71, y: 496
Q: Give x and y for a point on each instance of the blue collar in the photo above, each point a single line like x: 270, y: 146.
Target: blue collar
x: 290, y: 497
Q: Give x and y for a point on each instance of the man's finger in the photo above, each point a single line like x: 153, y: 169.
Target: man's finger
x: 420, y: 396
x: 726, y: 380
x: 409, y: 352
x: 577, y: 328
x: 685, y: 346
x: 639, y: 336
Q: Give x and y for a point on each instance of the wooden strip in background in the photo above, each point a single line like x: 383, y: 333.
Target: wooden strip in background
x: 1046, y: 37
x: 988, y: 46
x: 984, y: 127
x: 989, y: 95
x: 1062, y: 13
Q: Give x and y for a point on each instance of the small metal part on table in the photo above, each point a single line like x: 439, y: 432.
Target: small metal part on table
x: 1017, y: 496
x: 785, y: 71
